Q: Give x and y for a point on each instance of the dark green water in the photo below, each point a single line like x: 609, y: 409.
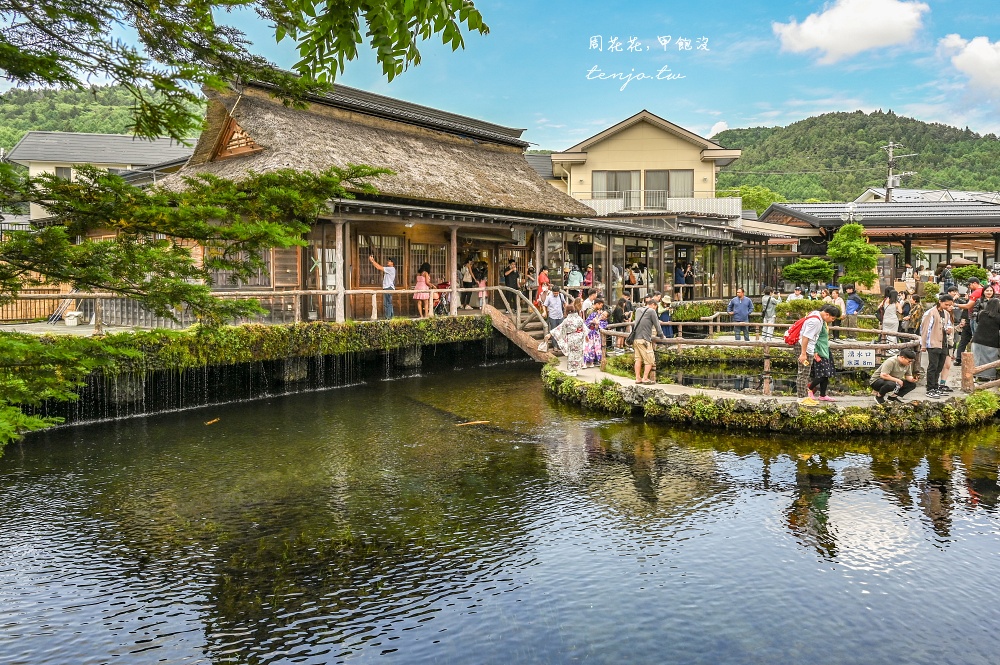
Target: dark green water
x: 361, y: 525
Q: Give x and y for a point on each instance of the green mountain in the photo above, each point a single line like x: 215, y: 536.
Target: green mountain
x: 836, y: 156
x: 98, y: 110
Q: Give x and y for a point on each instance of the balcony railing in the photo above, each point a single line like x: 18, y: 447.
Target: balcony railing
x: 652, y: 200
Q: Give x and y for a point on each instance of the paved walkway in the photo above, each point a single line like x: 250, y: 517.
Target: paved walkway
x: 919, y: 393
x: 82, y: 330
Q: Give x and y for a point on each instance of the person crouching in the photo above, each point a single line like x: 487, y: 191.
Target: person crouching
x: 896, y: 377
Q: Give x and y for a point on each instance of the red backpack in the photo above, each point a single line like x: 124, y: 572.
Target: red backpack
x: 792, y: 335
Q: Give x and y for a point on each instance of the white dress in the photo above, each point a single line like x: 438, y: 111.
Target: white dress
x: 890, y: 323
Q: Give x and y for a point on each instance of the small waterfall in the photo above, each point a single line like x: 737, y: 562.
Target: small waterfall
x: 127, y: 395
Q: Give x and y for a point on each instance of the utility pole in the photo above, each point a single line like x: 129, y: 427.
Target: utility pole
x: 889, y: 182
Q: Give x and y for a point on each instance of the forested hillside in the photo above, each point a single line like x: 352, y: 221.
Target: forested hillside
x: 836, y: 156
x: 101, y: 110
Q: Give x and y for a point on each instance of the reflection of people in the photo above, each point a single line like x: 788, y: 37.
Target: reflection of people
x: 388, y: 283
x: 808, y: 516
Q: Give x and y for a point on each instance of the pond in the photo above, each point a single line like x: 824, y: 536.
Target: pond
x: 367, y: 524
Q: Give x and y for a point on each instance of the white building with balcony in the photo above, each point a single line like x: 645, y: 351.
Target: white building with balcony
x: 644, y: 164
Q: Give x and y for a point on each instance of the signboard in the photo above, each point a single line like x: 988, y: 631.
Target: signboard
x: 996, y: 267
x: 855, y: 358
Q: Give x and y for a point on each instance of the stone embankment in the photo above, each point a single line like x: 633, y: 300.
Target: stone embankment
x: 703, y: 408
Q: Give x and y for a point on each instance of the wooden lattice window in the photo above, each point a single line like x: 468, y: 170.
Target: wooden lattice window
x: 235, y: 141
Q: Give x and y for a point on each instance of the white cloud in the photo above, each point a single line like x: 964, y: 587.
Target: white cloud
x: 720, y: 126
x: 849, y: 27
x: 978, y: 59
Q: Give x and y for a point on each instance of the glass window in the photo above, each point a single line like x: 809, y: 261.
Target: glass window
x: 673, y: 183
x: 617, y: 185
x: 382, y: 248
x: 64, y: 172
x: 436, y: 254
x: 224, y: 279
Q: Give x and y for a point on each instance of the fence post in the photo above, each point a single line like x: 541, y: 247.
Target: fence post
x: 297, y: 304
x: 767, y: 370
x: 968, y: 372
x: 98, y: 315
x: 374, y: 307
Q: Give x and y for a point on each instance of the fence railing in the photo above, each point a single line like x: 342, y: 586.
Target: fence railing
x: 766, y: 345
x: 279, y: 307
x: 657, y: 200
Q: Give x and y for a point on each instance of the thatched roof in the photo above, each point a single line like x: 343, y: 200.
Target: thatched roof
x: 429, y: 165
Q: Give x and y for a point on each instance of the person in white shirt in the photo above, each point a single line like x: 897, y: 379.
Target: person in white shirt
x: 388, y: 283
x: 796, y: 294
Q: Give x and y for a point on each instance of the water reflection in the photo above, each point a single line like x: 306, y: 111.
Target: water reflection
x: 372, y: 523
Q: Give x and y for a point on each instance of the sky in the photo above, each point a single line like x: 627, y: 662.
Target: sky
x: 564, y: 71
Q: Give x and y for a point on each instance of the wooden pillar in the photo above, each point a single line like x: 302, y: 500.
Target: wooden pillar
x: 968, y: 369
x: 947, y: 251
x: 454, y: 271
x: 338, y: 272
x: 996, y: 247
x: 908, y: 251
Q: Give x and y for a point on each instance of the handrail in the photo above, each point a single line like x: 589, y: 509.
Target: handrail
x: 777, y: 342
x: 970, y: 369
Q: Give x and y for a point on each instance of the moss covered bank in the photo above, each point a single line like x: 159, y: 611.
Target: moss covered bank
x: 769, y: 414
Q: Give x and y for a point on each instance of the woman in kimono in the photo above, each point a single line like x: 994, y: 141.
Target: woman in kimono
x: 571, y: 334
x: 597, y: 320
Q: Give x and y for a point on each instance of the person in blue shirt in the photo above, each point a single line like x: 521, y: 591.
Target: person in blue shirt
x: 852, y: 306
x: 740, y: 307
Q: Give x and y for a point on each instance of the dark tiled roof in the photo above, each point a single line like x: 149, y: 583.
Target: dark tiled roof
x: 361, y: 101
x: 74, y: 148
x: 906, y: 213
x: 542, y: 165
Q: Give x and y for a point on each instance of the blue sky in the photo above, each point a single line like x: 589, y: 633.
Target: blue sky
x: 760, y: 63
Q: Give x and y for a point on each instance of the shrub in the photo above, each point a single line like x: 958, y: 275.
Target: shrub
x: 963, y: 273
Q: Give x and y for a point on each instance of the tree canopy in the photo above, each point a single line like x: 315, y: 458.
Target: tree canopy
x: 850, y: 247
x: 837, y: 156
x: 178, y: 46
x: 809, y: 270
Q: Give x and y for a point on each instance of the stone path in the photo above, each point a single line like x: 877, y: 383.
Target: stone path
x: 83, y: 330
x: 919, y: 393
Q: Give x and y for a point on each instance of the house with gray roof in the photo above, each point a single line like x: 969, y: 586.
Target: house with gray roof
x: 60, y: 152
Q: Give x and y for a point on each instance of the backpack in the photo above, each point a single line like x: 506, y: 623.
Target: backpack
x: 793, y: 334
x: 631, y: 277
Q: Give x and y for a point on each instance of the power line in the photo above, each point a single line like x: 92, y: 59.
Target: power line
x: 863, y: 168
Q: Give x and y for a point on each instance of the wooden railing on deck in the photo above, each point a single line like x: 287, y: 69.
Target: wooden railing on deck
x: 766, y: 345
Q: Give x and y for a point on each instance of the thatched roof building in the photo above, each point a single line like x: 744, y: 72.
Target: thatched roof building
x: 437, y: 157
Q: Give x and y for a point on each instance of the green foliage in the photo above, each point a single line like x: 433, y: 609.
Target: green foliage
x: 93, y: 110
x: 150, y: 257
x: 793, y: 310
x: 964, y: 273
x: 179, y: 47
x: 809, y: 270
x: 836, y: 156
x: 931, y: 291
x: 705, y: 410
x: 35, y: 369
x: 850, y: 247
x: 757, y: 197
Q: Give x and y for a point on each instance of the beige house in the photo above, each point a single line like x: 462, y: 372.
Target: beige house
x: 61, y: 152
x: 644, y: 164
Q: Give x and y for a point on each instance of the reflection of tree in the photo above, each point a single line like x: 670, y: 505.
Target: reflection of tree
x: 808, y: 516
